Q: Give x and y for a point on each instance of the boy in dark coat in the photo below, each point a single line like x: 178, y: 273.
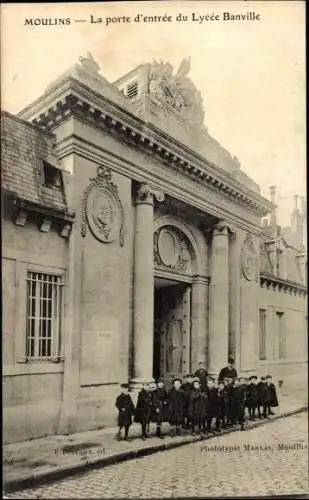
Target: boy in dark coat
x: 222, y: 399
x: 158, y: 401
x: 239, y: 396
x: 261, y: 391
x: 125, y: 407
x: 272, y: 399
x: 163, y: 397
x: 187, y: 388
x: 197, y: 407
x: 212, y: 404
x: 143, y: 409
x: 251, y: 399
x: 227, y: 398
x: 176, y: 405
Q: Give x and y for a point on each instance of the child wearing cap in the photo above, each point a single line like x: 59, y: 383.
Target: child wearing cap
x: 143, y: 409
x: 125, y: 407
x: 212, y: 404
x: 187, y: 388
x: 271, y: 398
x: 239, y: 403
x: 227, y: 398
x: 261, y: 390
x: 176, y: 405
x: 158, y: 397
x: 197, y: 407
x: 251, y: 399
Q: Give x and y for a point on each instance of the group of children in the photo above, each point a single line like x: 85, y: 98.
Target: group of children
x: 194, y: 407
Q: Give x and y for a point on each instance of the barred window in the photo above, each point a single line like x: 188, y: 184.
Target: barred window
x: 262, y: 350
x: 44, y: 318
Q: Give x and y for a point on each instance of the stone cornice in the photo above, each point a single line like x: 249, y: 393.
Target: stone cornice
x: 75, y: 145
x: 71, y: 97
x: 277, y: 284
x: 48, y: 216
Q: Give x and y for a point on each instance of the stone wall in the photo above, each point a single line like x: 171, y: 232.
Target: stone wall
x: 32, y: 391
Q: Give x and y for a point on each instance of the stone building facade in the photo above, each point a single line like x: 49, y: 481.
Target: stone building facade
x: 133, y: 249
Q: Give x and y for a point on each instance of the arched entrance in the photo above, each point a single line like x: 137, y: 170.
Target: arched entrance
x: 177, y: 264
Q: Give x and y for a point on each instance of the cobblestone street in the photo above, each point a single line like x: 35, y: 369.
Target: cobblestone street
x: 269, y: 460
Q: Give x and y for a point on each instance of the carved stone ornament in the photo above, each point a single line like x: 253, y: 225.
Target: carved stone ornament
x: 102, y: 210
x: 171, y: 250
x: 248, y: 259
x: 177, y: 90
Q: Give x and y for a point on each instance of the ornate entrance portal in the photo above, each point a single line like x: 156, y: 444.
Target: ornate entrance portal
x: 172, y: 332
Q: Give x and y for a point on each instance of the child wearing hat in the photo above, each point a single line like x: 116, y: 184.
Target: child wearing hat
x: 125, y: 407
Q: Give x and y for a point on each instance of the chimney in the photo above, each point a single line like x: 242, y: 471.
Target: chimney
x: 296, y: 223
x: 273, y: 217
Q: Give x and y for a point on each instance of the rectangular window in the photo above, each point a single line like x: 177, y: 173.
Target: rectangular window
x: 281, y: 333
x: 44, y: 318
x: 262, y: 349
x: 52, y: 175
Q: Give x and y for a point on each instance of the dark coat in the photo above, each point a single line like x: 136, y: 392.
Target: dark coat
x: 187, y: 388
x: 125, y: 407
x: 143, y: 407
x: 261, y: 392
x: 197, y: 405
x: 212, y: 402
x: 238, y: 404
x: 251, y: 398
x: 176, y: 406
x: 222, y: 402
x: 272, y: 395
x: 226, y: 373
x: 239, y: 394
x: 158, y: 405
x: 202, y: 374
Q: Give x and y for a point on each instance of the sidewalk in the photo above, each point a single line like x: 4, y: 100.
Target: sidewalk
x: 47, y: 459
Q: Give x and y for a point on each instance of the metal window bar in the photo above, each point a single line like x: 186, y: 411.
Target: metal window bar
x: 44, y: 311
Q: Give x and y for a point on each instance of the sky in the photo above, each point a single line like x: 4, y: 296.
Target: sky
x: 251, y: 73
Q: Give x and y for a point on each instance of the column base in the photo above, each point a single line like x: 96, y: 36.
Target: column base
x: 138, y: 383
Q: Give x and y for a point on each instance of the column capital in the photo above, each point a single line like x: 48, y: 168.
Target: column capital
x: 147, y: 194
x: 222, y: 228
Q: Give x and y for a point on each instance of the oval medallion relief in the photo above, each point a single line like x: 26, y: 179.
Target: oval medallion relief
x: 168, y: 248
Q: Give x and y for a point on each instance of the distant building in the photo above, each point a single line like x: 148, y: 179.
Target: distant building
x: 132, y: 249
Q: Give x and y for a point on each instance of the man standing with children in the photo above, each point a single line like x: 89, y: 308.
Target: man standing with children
x: 199, y: 404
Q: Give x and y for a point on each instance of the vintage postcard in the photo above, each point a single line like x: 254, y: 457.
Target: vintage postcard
x: 154, y: 249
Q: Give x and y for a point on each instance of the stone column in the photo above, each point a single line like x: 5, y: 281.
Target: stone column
x: 143, y: 282
x: 234, y: 297
x: 199, y: 318
x: 219, y: 303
